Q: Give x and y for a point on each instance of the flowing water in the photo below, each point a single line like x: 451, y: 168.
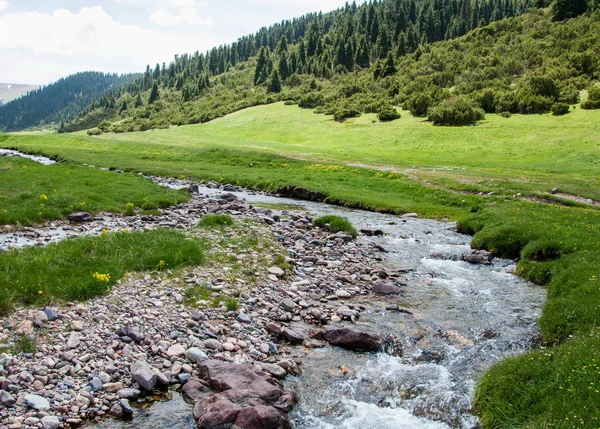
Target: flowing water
x: 453, y: 322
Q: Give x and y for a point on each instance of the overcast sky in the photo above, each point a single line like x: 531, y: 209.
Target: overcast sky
x: 42, y: 41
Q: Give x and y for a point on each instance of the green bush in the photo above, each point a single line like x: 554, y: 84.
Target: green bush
x: 94, y: 132
x: 418, y: 104
x: 530, y: 103
x: 335, y: 224
x: 559, y: 109
x: 311, y: 100
x: 343, y: 114
x: 456, y: 111
x: 388, y: 113
x: 209, y: 221
x: 593, y: 100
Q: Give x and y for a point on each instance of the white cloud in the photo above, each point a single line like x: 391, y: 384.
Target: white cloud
x: 126, y: 1
x: 186, y: 16
x: 40, y: 47
x: 4, y: 5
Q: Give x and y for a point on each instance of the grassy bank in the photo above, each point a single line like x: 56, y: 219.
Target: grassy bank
x: 85, y: 267
x: 31, y: 193
x: 557, y: 246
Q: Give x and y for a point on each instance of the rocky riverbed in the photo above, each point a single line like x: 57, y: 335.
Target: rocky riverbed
x: 95, y: 358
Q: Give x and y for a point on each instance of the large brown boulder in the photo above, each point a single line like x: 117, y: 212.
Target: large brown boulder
x: 241, y: 396
x: 352, y: 339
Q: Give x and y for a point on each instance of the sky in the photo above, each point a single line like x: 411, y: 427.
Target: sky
x: 42, y: 41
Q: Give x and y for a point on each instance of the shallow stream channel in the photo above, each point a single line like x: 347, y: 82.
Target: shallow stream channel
x: 452, y: 322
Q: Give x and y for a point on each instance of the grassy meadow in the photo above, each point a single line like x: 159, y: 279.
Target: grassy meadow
x: 420, y: 168
x: 31, y: 193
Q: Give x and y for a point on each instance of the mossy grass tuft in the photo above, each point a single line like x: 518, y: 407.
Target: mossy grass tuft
x: 24, y: 343
x: 86, y: 267
x: 218, y: 220
x: 335, y: 224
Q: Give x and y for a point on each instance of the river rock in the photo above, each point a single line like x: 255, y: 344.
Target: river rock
x: 142, y: 373
x: 480, y: 257
x: 292, y: 336
x: 6, y: 399
x: 51, y: 314
x: 242, y: 395
x: 80, y: 217
x: 128, y: 393
x: 51, y: 422
x: 74, y: 340
x: 37, y: 402
x: 176, y: 350
x: 352, y: 339
x: 127, y: 410
x: 276, y: 271
x: 196, y: 355
x: 386, y: 288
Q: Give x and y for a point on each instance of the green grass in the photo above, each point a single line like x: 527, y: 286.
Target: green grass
x: 335, y: 224
x: 24, y: 344
x: 31, y: 193
x: 211, y: 221
x: 553, y: 388
x: 86, y: 267
x: 274, y: 146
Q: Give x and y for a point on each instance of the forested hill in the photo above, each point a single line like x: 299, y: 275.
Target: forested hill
x: 61, y: 101
x: 365, y: 58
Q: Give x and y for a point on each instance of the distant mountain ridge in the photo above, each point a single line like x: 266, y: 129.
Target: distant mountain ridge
x: 12, y: 91
x: 58, y: 102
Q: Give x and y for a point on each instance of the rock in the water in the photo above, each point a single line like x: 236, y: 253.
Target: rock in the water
x: 352, y: 339
x: 80, y: 217
x: 116, y: 410
x: 292, y: 336
x: 37, y: 402
x: 261, y: 417
x: 51, y: 422
x: 410, y: 215
x: 386, y: 288
x: 127, y: 410
x: 142, y: 373
x: 481, y: 257
x: 247, y: 398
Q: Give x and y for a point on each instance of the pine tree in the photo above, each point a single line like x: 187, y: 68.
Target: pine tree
x: 138, y: 101
x: 565, y: 9
x: 284, y: 69
x: 389, y: 66
x: 274, y: 84
x: 154, y: 94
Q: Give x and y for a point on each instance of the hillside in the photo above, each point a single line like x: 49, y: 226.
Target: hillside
x: 288, y: 60
x: 58, y: 102
x: 12, y: 91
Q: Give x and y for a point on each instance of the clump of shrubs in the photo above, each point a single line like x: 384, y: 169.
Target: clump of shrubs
x: 593, y: 100
x: 456, y: 111
x: 388, y: 113
x: 94, y: 132
x: 342, y: 114
x: 559, y: 109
